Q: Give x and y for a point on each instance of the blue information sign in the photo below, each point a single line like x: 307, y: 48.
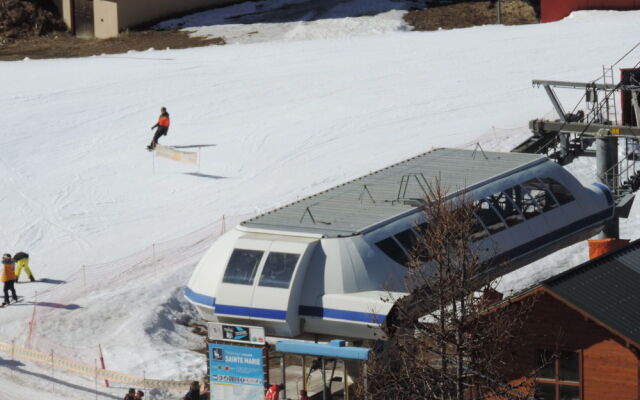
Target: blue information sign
x: 236, y: 365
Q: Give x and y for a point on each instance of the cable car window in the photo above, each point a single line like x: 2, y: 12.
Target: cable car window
x: 477, y: 230
x: 559, y: 192
x: 278, y: 270
x: 420, y: 229
x: 516, y: 194
x: 507, y: 210
x: 407, y: 239
x: 539, y: 192
x: 242, y: 266
x: 393, y: 250
x: 529, y: 206
x: 491, y: 220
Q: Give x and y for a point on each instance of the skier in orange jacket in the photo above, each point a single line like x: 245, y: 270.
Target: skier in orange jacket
x: 162, y: 128
x: 9, y: 278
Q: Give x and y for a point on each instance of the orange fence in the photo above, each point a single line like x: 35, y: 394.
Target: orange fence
x: 56, y: 362
x: 161, y: 257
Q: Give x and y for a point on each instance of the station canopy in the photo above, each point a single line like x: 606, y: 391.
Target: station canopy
x: 380, y: 197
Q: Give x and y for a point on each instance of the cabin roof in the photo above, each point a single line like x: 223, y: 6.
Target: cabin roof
x: 384, y: 195
x: 606, y: 289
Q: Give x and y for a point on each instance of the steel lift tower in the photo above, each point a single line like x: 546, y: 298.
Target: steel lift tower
x: 596, y: 131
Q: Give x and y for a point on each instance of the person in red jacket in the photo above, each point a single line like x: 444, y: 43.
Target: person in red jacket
x: 303, y: 395
x: 273, y: 393
x: 162, y: 128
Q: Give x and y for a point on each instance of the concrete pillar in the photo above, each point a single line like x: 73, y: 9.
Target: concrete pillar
x: 607, y: 172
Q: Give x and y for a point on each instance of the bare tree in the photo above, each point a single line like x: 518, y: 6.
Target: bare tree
x: 446, y: 339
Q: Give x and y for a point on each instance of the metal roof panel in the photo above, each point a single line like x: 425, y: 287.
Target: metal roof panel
x: 382, y: 195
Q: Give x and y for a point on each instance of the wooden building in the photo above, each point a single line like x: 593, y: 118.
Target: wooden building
x: 583, y: 331
x: 106, y: 18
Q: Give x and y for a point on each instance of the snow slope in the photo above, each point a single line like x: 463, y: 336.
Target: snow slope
x: 273, y: 121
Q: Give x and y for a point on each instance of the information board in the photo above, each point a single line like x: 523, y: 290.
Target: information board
x: 236, y: 372
x: 236, y: 333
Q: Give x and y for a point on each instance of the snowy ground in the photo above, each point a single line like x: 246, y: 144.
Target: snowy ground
x: 273, y: 121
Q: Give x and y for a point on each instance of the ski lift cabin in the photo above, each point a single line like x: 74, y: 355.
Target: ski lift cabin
x: 322, y: 265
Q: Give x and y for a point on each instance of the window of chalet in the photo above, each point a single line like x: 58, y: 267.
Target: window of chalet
x: 559, y: 375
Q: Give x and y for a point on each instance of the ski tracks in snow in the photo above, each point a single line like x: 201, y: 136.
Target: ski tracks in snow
x: 37, y: 213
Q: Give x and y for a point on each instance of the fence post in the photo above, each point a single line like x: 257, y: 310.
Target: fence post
x: 32, y: 323
x: 95, y: 376
x: 224, y: 227
x: 106, y: 382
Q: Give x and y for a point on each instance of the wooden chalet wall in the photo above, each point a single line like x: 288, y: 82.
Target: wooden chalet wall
x: 554, y: 10
x: 609, y: 369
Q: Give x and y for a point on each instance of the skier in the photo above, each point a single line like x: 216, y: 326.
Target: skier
x: 162, y: 128
x: 22, y: 262
x: 8, y: 277
x: 194, y: 392
x: 303, y: 395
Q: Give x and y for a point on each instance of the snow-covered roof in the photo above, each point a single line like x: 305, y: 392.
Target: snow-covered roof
x: 384, y: 195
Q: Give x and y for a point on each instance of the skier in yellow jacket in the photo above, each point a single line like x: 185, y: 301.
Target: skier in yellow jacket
x: 8, y: 278
x: 22, y: 262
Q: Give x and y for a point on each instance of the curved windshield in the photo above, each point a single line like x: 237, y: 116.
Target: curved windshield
x: 242, y: 266
x: 278, y: 269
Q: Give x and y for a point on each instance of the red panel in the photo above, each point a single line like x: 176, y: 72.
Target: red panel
x: 554, y: 10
